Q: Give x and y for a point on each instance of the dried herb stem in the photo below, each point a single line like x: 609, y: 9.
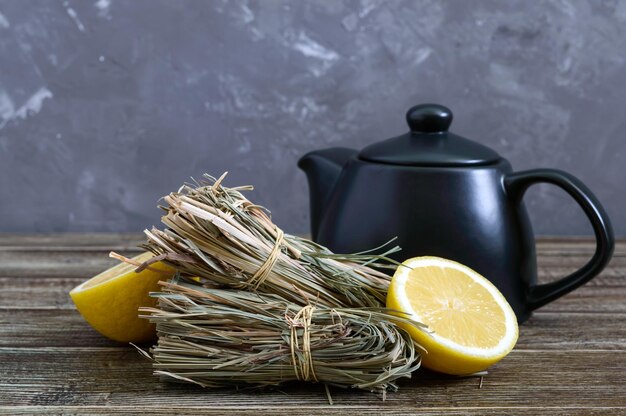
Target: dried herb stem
x: 218, y: 338
x: 217, y: 234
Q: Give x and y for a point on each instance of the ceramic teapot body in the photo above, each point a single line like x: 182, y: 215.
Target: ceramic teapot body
x: 470, y: 213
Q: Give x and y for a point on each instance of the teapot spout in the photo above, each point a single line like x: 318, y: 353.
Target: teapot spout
x: 322, y: 168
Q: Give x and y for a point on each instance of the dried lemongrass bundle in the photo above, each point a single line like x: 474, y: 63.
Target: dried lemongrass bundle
x: 217, y: 234
x: 218, y: 338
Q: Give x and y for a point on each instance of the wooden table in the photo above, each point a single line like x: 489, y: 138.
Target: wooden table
x: 570, y: 358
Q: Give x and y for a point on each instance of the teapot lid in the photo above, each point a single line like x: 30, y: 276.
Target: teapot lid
x: 428, y: 143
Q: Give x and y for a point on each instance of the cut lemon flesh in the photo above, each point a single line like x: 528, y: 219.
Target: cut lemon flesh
x: 472, y: 324
x: 110, y: 300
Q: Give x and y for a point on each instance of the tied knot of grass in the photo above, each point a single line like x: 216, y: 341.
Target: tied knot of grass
x: 303, y: 362
x: 263, y: 272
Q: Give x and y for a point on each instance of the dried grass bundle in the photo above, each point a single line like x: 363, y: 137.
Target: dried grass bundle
x: 217, y: 234
x: 218, y: 338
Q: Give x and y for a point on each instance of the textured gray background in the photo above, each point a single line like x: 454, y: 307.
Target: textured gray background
x: 107, y: 105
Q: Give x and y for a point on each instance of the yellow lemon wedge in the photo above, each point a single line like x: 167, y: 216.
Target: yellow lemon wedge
x: 473, y: 325
x: 109, y: 301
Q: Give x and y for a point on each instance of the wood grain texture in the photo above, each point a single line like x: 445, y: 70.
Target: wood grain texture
x: 570, y: 358
x: 61, y: 263
x: 306, y: 410
x: 120, y: 376
x: 71, y: 240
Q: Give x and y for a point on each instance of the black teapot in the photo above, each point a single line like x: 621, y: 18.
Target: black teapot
x: 443, y: 195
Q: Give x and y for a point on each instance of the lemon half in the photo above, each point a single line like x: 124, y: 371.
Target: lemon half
x: 473, y: 325
x: 109, y: 301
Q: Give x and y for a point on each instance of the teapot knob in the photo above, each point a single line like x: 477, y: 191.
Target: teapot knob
x: 429, y: 118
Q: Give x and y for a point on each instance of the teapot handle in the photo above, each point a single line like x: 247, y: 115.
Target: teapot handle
x: 516, y: 185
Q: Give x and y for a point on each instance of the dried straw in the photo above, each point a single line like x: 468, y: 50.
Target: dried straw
x: 218, y: 338
x: 217, y: 234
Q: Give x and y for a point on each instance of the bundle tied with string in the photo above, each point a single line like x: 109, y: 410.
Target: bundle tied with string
x: 253, y: 305
x: 218, y: 235
x: 221, y: 338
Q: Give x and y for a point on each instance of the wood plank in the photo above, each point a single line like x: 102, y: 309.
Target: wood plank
x: 573, y: 331
x: 49, y: 328
x: 120, y: 377
x: 590, y: 298
x: 573, y: 260
x: 84, y: 264
x: 613, y: 276
x: 41, y: 293
x: 601, y: 295
x: 545, y: 330
x: 71, y: 240
x: 304, y: 410
x: 574, y: 244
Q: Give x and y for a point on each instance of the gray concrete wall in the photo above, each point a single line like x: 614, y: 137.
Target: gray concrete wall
x: 107, y: 105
